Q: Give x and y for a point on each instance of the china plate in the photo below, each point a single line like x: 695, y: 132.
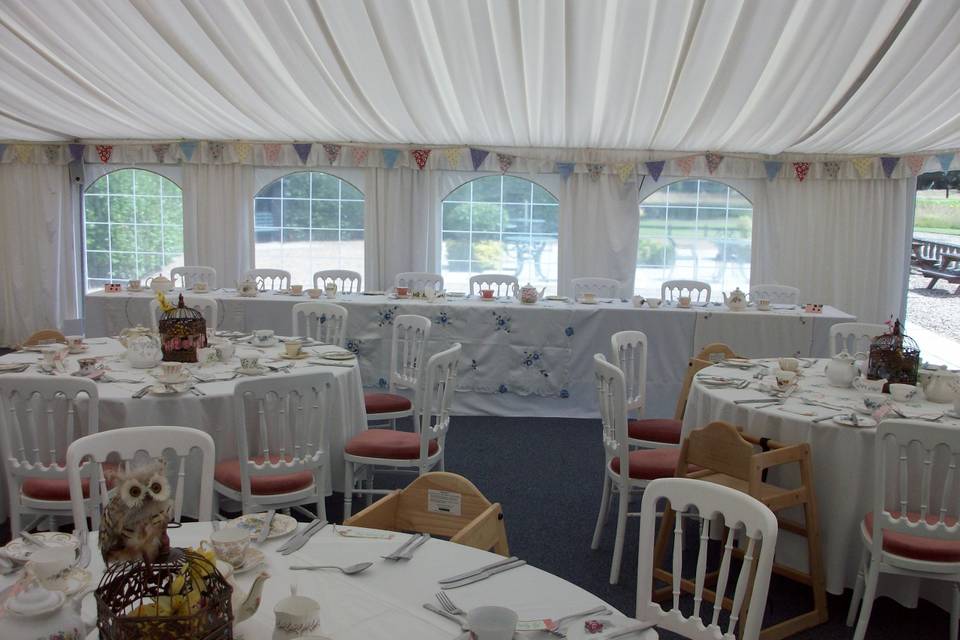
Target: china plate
x: 587, y: 301
x: 19, y: 550
x: 299, y: 356
x: 282, y: 524
x: 455, y: 294
x: 167, y: 389
x: 252, y: 559
x: 253, y: 371
x: 70, y: 582
x: 374, y: 293
x: 338, y: 355
x: 557, y: 298
x: 183, y: 377
x: 865, y: 421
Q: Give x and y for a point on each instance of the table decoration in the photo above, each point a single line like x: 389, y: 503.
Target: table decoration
x: 182, y: 331
x: 894, y: 356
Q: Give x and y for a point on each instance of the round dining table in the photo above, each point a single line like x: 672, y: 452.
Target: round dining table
x: 842, y: 456
x: 385, y: 602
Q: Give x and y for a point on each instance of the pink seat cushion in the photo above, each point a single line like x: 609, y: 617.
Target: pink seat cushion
x: 916, y: 547
x: 666, y: 430
x: 389, y: 444
x: 59, y: 488
x: 385, y: 403
x: 650, y: 464
x: 227, y: 473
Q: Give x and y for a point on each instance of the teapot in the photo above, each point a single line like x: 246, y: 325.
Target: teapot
x: 39, y: 614
x: 247, y: 288
x: 940, y: 385
x: 243, y: 604
x: 842, y: 370
x: 296, y: 616
x: 143, y: 351
x: 736, y: 301
x: 133, y: 332
x: 528, y: 294
x: 159, y: 283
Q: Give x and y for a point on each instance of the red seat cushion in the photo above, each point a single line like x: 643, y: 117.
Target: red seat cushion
x: 916, y: 547
x: 228, y: 473
x: 666, y: 430
x: 385, y: 403
x: 59, y: 488
x: 650, y: 464
x: 389, y: 444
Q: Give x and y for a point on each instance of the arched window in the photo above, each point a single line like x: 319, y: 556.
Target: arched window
x: 694, y: 230
x: 132, y: 227
x: 308, y: 221
x: 500, y: 224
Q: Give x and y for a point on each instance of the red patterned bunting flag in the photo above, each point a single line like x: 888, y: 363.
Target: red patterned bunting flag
x: 360, y: 155
x: 333, y: 152
x: 831, y: 169
x: 272, y: 152
x: 104, y: 151
x: 420, y: 156
x: 686, y: 164
x: 915, y: 163
x: 160, y: 151
x: 505, y: 160
x: 801, y: 169
x: 713, y: 161
x: 216, y: 150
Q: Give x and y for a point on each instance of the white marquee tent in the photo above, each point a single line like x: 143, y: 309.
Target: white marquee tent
x: 844, y: 85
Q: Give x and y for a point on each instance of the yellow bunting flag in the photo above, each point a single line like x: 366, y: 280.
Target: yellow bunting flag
x: 864, y: 166
x: 625, y: 171
x: 453, y: 156
x: 243, y: 151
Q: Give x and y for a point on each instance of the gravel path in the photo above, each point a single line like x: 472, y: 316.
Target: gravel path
x: 936, y: 309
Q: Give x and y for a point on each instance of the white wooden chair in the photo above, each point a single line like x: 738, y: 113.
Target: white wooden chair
x: 323, y: 321
x: 91, y: 458
x: 270, y: 279
x: 407, y: 347
x: 204, y: 304
x: 744, y: 517
x: 643, y: 465
x: 502, y: 284
x: 417, y: 281
x: 189, y: 276
x: 698, y: 291
x: 918, y: 534
x: 600, y: 287
x: 281, y: 445
x: 347, y: 281
x: 40, y: 416
x: 854, y: 337
x: 775, y: 293
x: 629, y: 351
x: 421, y: 449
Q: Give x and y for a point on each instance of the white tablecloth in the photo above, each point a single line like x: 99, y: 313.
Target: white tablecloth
x: 385, y: 602
x: 344, y: 411
x: 518, y: 359
x: 843, y: 466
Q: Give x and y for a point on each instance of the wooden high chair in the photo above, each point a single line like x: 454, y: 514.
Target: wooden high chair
x: 708, y: 356
x: 473, y: 522
x: 728, y: 457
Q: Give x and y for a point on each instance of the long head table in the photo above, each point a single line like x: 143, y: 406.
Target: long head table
x: 517, y: 359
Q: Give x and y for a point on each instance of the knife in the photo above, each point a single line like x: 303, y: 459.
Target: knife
x: 396, y: 554
x: 633, y: 628
x: 470, y: 574
x: 296, y: 537
x: 296, y: 544
x: 406, y: 555
x: 265, y: 526
x: 485, y: 574
x: 449, y: 616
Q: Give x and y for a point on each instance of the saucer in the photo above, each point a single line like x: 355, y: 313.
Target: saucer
x: 183, y: 377
x: 167, y: 389
x: 81, y: 349
x: 373, y: 293
x: 487, y: 299
x: 272, y: 342
x: 253, y: 371
x: 338, y: 355
x: 252, y: 559
x: 281, y: 524
x: 19, y: 550
x: 299, y: 356
x: 588, y: 301
x: 70, y: 582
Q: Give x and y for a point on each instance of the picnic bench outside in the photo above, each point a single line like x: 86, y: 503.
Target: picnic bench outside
x: 937, y: 261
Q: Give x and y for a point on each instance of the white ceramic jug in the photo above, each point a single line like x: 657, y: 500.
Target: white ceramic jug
x: 296, y: 616
x: 841, y: 370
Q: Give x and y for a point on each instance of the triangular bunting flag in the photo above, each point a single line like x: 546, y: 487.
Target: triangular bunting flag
x: 915, y: 163
x: 889, y: 163
x: 243, y: 151
x: 3, y: 147
x: 303, y: 151
x: 360, y: 155
x: 216, y: 150
x: 477, y: 156
x: 713, y: 161
x: 655, y: 169
x: 104, y: 151
x: 390, y: 157
x: 832, y: 169
x: 772, y: 167
x: 686, y: 164
x: 188, y: 148
x: 946, y: 159
x: 271, y: 152
x: 864, y: 166
x: 22, y: 152
x: 594, y: 170
x: 420, y: 156
x: 453, y: 157
x: 624, y: 171
x: 76, y: 151
x: 505, y: 160
x: 160, y: 151
x: 565, y: 169
x: 801, y: 169
x: 52, y: 152
x: 332, y: 152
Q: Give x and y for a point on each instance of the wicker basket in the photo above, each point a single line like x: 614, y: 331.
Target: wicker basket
x: 182, y: 331
x: 128, y: 586
x: 895, y: 357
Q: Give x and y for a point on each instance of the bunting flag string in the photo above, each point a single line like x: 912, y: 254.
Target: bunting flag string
x: 565, y: 169
x: 243, y: 151
x: 216, y: 150
x: 505, y: 160
x: 889, y: 163
x: 187, y: 148
x: 104, y: 151
x: 390, y: 157
x: 477, y: 156
x: 303, y: 150
x: 831, y: 169
x: 271, y: 153
x: 915, y: 163
x: 76, y: 152
x: 713, y: 161
x: 686, y: 164
x: 801, y: 169
x: 420, y: 156
x: 772, y: 167
x: 625, y: 171
x: 594, y: 170
x: 946, y: 159
x: 864, y: 166
x: 453, y: 157
x: 360, y: 155
x: 160, y: 151
x: 332, y: 151
x: 655, y: 169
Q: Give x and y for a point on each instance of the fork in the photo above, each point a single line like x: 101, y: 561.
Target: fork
x: 448, y: 605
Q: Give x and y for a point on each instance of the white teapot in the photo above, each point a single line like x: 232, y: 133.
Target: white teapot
x: 160, y: 283
x: 528, y: 294
x: 940, y: 385
x: 736, y: 301
x: 842, y: 370
x: 144, y: 352
x: 40, y: 614
x: 244, y: 604
x: 130, y: 333
x: 247, y: 288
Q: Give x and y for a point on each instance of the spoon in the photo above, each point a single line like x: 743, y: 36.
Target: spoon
x: 353, y: 569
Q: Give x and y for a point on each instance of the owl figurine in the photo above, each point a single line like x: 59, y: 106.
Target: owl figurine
x: 134, y: 523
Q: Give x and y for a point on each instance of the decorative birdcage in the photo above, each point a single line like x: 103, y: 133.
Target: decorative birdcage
x: 181, y: 595
x: 182, y: 331
x: 895, y: 357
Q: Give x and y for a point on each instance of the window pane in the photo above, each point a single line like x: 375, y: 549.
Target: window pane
x: 95, y: 208
x: 456, y: 216
x: 351, y: 215
x: 148, y: 184
x: 267, y: 212
x: 123, y: 237
x: 296, y: 186
x: 173, y: 208
x: 150, y: 238
x: 694, y: 230
x: 98, y: 264
x: 98, y: 237
x: 516, y: 189
x: 349, y: 192
x: 121, y: 209
x: 325, y: 186
x: 148, y: 210
x: 487, y: 189
x: 296, y: 213
x: 121, y: 181
x: 516, y: 218
x: 173, y: 241
x: 456, y: 246
x: 325, y: 215
x: 486, y: 217
x: 461, y: 194
x: 125, y: 266
x: 545, y: 219
x: 150, y: 263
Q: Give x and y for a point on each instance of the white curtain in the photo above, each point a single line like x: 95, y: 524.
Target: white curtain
x: 844, y: 242
x: 38, y: 245
x: 599, y: 223
x: 218, y: 219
